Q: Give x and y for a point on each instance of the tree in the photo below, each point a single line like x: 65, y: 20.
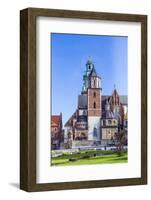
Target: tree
x: 121, y: 140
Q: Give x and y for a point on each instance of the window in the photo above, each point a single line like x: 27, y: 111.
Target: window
x: 94, y: 94
x: 115, y: 122
x: 69, y: 135
x: 94, y: 105
x: 109, y: 121
x: 103, y: 122
x: 95, y: 132
x: 84, y: 112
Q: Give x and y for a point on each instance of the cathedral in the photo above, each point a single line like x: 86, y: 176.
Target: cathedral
x: 97, y: 117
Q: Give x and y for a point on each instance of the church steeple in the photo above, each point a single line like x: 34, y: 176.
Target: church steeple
x: 89, y: 65
x: 90, y: 77
x: 93, y: 101
x: 93, y: 90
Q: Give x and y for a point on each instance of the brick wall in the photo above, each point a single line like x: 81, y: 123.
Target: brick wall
x: 94, y: 102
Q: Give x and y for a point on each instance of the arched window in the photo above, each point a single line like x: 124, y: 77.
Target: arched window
x: 69, y: 135
x: 94, y: 105
x: 94, y: 94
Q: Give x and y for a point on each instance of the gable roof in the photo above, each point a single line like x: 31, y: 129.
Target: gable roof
x: 55, y: 120
x: 70, y: 120
x: 123, y: 99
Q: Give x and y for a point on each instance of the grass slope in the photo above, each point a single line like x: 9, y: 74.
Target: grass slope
x: 91, y: 157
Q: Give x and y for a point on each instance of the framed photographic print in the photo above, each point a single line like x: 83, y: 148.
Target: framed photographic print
x: 83, y: 99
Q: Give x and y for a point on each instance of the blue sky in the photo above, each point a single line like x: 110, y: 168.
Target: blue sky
x: 69, y: 53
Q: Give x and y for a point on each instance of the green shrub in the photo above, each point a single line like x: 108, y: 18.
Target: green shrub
x: 73, y: 159
x: 86, y: 156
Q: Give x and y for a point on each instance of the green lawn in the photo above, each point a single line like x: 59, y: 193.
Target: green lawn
x: 89, y: 157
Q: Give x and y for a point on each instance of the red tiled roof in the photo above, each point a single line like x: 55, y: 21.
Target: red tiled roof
x: 55, y: 119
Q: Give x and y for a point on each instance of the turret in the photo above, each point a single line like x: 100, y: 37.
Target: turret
x: 90, y: 77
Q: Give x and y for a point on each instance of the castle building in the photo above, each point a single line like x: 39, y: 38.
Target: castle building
x: 56, y: 131
x: 97, y: 117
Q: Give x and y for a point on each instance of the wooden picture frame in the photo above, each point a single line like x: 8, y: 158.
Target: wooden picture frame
x: 28, y: 99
